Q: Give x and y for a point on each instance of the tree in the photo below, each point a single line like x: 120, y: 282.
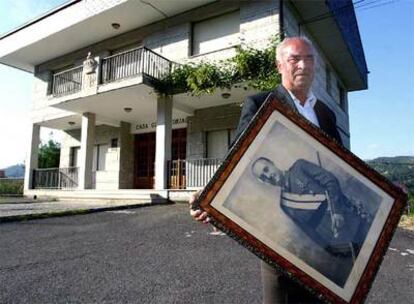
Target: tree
x: 49, y: 155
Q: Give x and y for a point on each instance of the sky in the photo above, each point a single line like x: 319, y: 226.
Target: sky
x: 381, y: 118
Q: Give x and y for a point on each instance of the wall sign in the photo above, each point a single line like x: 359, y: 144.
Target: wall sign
x: 180, y: 122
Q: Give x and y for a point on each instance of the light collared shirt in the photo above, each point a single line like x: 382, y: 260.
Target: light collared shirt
x: 307, y: 110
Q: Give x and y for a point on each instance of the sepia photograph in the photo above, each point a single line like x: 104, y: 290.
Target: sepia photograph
x: 304, y: 202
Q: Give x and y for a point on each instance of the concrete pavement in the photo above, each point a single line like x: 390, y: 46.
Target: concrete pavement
x: 151, y: 255
x: 17, y: 209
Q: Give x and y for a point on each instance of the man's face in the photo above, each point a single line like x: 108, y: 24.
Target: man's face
x: 267, y: 172
x: 297, y: 66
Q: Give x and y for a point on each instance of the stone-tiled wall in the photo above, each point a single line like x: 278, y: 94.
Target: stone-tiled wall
x: 115, y: 175
x: 209, y: 119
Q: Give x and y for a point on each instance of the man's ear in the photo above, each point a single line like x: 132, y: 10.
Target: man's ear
x: 277, y: 65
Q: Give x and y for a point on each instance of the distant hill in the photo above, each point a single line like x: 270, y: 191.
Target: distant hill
x: 397, y: 169
x: 14, y: 171
x: 395, y: 160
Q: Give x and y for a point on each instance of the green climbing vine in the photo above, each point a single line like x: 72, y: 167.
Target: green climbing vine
x: 254, y: 68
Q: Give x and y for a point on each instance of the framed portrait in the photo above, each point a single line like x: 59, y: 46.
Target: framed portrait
x: 306, y: 205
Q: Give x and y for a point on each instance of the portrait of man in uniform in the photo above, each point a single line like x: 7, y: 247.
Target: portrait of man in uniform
x: 302, y: 202
x: 312, y: 197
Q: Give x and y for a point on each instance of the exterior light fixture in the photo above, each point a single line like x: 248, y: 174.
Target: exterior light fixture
x: 115, y: 26
x: 127, y: 110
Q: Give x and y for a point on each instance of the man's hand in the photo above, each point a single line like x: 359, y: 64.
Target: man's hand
x: 197, y: 214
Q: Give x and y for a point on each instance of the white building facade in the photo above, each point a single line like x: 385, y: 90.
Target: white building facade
x: 95, y: 64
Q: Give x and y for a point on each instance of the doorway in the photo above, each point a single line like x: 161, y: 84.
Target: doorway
x: 144, y: 161
x: 144, y: 176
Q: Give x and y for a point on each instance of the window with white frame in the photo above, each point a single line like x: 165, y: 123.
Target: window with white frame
x: 215, y: 33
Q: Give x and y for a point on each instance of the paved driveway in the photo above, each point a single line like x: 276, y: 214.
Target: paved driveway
x: 150, y: 255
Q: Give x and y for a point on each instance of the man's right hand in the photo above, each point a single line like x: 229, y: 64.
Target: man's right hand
x: 197, y: 214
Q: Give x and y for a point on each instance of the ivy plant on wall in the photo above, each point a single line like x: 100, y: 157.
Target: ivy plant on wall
x: 254, y: 68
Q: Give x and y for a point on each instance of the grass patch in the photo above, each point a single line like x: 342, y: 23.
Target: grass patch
x: 10, y: 187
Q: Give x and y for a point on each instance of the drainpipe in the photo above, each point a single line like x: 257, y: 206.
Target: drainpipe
x: 281, y: 21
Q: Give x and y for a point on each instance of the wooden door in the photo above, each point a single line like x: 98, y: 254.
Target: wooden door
x: 144, y: 161
x: 176, y: 167
x: 179, y: 144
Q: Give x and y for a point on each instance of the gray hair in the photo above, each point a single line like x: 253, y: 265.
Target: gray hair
x: 285, y: 42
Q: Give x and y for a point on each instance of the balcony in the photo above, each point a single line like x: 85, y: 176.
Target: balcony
x: 67, y: 82
x: 139, y: 61
x: 136, y: 62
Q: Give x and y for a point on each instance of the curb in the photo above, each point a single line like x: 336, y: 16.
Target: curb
x: 45, y: 215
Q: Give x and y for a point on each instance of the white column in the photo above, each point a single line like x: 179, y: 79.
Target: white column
x: 163, y: 140
x: 32, y: 156
x: 86, y: 151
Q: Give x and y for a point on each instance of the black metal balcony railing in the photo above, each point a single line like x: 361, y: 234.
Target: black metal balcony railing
x: 67, y: 82
x: 132, y: 63
x: 55, y: 178
x: 187, y: 173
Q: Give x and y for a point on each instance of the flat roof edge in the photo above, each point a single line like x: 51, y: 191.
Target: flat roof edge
x: 41, y: 17
x: 17, y: 67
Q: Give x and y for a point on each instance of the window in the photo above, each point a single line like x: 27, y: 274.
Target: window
x: 328, y: 80
x: 99, y: 157
x: 342, y: 97
x: 215, y: 33
x: 218, y: 143
x: 114, y: 143
x: 74, y: 156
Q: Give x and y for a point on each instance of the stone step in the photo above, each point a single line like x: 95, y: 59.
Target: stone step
x: 149, y: 196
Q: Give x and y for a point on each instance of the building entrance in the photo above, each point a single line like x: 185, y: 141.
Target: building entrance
x: 144, y: 161
x: 145, y: 158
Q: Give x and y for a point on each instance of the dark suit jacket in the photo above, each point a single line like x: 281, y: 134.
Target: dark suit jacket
x: 326, y: 117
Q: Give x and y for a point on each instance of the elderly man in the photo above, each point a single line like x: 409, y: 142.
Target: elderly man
x: 295, y: 61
